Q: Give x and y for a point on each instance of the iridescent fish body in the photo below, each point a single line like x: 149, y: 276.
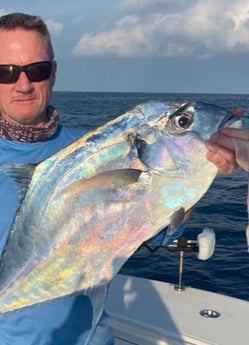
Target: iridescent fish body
x: 89, y: 207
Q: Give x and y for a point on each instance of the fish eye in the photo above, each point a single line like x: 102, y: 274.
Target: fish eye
x: 183, y: 121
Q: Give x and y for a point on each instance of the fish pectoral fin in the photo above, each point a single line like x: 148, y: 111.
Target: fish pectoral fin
x: 113, y: 179
x: 89, y: 200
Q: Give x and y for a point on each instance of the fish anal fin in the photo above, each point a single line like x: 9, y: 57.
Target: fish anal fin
x: 176, y: 221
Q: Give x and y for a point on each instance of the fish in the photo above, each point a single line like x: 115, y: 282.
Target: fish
x: 85, y: 210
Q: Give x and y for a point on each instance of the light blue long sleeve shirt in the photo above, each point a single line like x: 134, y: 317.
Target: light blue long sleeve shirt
x: 65, y: 321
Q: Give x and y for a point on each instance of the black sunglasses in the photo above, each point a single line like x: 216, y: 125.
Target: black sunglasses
x: 37, y: 71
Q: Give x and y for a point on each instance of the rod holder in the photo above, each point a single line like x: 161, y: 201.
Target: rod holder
x: 182, y: 245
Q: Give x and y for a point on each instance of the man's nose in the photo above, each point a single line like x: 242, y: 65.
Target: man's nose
x: 23, y: 84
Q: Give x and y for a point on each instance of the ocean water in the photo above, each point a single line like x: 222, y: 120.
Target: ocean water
x: 223, y: 208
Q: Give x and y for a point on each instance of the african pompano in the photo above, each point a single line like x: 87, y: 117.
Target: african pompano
x: 89, y: 207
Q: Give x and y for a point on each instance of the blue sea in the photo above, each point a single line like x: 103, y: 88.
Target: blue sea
x: 223, y: 208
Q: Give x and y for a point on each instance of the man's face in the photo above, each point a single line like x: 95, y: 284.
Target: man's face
x: 25, y: 102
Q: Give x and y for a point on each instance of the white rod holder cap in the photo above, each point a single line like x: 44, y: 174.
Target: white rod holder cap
x: 206, y: 244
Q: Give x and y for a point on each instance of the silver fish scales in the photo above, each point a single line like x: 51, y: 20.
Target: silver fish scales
x: 89, y: 207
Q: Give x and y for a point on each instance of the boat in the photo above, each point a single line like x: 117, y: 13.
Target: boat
x: 149, y: 312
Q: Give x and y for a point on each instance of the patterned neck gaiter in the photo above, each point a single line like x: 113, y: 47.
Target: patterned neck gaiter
x: 30, y: 134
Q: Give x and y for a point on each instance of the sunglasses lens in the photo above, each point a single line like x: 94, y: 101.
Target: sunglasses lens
x: 39, y: 71
x: 8, y: 74
x: 36, y: 72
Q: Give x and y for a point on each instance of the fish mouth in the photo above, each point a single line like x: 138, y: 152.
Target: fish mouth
x: 237, y: 124
x: 231, y: 121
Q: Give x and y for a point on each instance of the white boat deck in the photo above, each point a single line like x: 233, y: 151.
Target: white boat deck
x: 146, y: 312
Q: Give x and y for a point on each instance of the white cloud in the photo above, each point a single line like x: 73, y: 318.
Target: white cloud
x: 54, y: 27
x: 2, y: 12
x: 151, y: 5
x: 201, y: 27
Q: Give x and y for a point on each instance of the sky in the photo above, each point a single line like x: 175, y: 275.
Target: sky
x: 199, y: 46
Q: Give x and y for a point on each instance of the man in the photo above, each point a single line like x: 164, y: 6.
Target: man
x: 30, y: 132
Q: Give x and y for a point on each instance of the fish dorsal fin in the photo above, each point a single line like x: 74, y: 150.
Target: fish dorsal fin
x: 20, y: 174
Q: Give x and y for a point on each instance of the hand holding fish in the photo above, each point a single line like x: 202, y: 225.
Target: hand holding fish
x: 229, y: 148
x: 240, y: 145
x: 220, y: 154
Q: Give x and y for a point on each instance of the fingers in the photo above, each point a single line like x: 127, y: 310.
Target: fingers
x: 221, y: 140
x: 223, y: 158
x: 235, y: 133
